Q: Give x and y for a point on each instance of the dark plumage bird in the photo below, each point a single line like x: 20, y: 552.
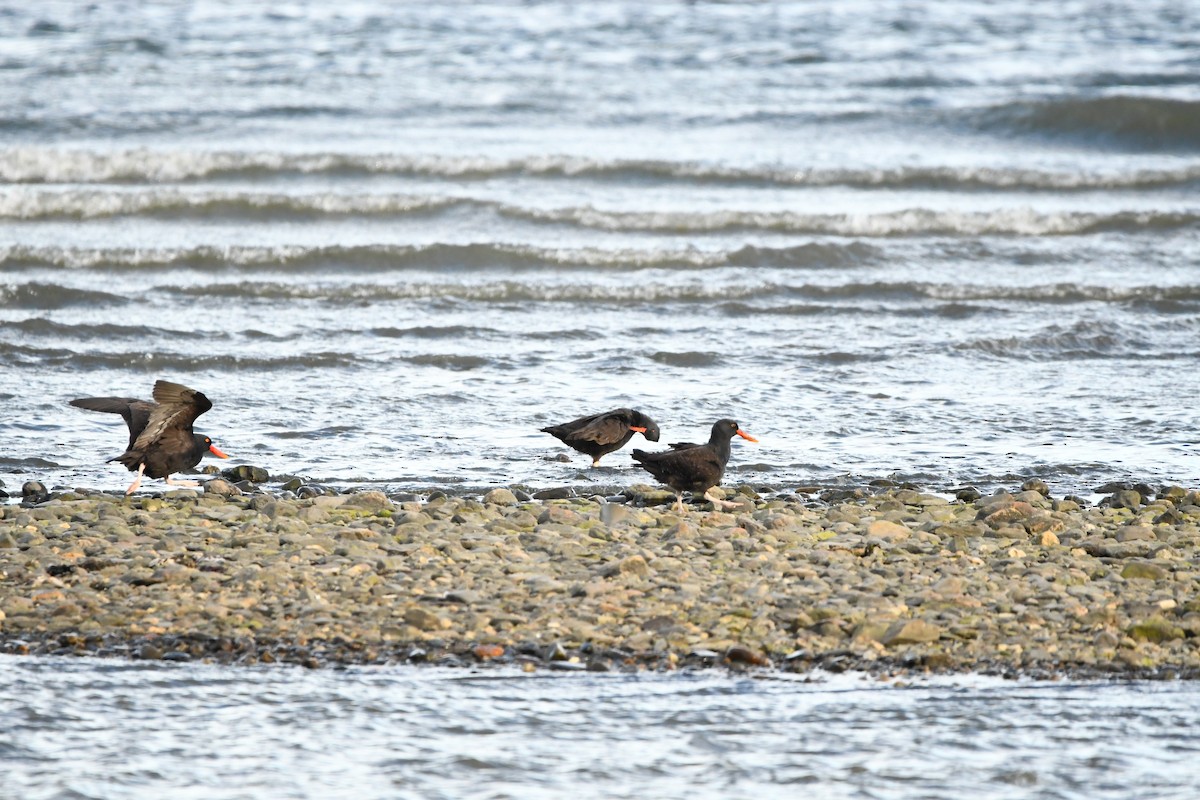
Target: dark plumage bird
x: 695, y: 468
x: 161, y: 440
x: 601, y: 434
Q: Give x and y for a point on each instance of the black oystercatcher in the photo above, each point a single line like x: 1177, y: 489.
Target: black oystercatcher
x: 161, y: 440
x: 694, y: 467
x: 601, y: 434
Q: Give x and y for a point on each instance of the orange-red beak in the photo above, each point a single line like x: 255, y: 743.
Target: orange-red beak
x: 636, y: 428
x: 746, y: 436
x: 212, y: 448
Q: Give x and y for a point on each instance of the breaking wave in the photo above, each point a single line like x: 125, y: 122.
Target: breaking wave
x: 36, y: 165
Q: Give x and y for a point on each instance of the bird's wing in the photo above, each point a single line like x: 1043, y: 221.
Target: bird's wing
x: 697, y: 457
x: 603, y: 429
x: 136, y: 413
x: 178, y: 406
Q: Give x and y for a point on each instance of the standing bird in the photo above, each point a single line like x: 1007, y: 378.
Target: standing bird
x: 161, y: 440
x: 601, y: 434
x: 694, y: 467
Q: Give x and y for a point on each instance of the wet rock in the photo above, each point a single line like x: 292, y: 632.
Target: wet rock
x: 500, y: 497
x: 1126, y: 498
x: 245, y: 472
x: 150, y: 652
x: 292, y: 484
x: 488, y: 652
x: 1036, y: 485
x: 834, y: 496
x: 34, y: 492
x: 967, y: 494
x: 739, y: 654
x: 557, y: 493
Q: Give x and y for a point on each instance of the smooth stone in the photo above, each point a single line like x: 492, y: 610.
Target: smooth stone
x: 1036, y: 485
x: 245, y: 472
x: 34, y: 491
x: 886, y: 529
x: 613, y: 514
x: 423, y: 619
x: 500, y: 497
x: 913, y: 631
x: 1126, y: 498
x: 371, y: 500
x: 633, y: 565
x: 221, y: 488
x: 1140, y: 570
x: 1155, y: 629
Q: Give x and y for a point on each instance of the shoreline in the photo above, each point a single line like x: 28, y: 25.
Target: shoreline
x: 878, y: 579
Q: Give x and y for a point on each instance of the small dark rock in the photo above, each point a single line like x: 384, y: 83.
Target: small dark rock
x: 1036, y: 485
x: 842, y: 495
x: 567, y: 666
x: 967, y: 494
x: 177, y: 655
x: 34, y: 492
x: 1126, y: 498
x: 245, y: 472
x: 149, y: 652
x: 58, y: 570
x: 744, y: 655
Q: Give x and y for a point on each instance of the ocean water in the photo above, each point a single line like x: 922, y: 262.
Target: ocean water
x: 945, y: 242
x: 84, y: 728
x: 942, y: 242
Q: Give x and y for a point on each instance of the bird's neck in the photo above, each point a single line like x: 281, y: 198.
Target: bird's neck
x: 722, y: 447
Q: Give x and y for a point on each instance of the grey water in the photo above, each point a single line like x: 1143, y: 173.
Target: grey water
x: 946, y: 242
x: 84, y: 728
x: 941, y: 242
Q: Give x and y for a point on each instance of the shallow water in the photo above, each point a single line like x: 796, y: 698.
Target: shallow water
x: 949, y: 243
x: 84, y: 728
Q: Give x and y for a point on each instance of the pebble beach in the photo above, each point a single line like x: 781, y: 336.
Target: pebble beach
x: 883, y: 578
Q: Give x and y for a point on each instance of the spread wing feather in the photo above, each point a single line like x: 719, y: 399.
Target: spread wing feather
x: 136, y: 413
x: 178, y: 407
